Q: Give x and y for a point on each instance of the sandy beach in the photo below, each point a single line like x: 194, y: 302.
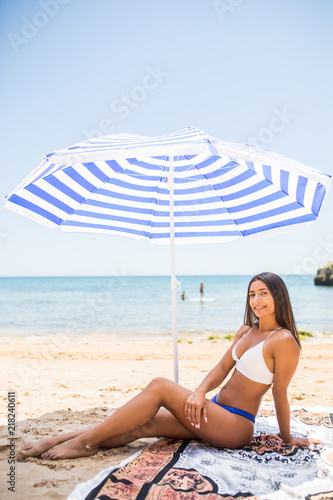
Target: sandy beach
x: 64, y: 383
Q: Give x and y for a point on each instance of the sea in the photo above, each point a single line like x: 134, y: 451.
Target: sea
x: 141, y: 305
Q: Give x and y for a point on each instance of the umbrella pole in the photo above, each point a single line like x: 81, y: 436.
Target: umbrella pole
x: 173, y: 272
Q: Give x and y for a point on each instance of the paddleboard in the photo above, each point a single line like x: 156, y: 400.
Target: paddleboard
x: 206, y: 299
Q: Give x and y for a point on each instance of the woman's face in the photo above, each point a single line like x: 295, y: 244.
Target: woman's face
x: 261, y: 300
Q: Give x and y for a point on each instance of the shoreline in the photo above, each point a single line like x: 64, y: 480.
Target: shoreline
x: 139, y: 336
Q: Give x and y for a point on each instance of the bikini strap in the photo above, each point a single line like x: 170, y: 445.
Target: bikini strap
x: 247, y: 331
x: 233, y: 352
x: 280, y: 328
x: 244, y: 334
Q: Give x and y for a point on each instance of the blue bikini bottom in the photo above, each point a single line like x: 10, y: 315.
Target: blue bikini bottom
x: 236, y: 410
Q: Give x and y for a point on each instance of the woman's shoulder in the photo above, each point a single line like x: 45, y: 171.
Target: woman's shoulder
x: 284, y: 334
x: 242, y: 330
x: 285, y: 339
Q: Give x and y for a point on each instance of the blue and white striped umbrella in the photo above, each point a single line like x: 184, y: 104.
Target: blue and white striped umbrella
x: 120, y: 184
x: 184, y: 187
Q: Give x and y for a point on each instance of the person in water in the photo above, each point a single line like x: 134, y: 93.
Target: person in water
x: 265, y: 351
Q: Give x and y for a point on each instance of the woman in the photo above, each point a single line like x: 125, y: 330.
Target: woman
x: 265, y: 350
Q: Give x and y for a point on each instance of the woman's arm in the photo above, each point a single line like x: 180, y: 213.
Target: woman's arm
x: 216, y: 376
x: 196, y: 402
x: 286, y: 357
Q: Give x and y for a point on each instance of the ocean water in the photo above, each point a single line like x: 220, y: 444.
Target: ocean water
x: 142, y: 305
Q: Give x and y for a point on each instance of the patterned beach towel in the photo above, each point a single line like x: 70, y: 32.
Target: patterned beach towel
x: 266, y: 469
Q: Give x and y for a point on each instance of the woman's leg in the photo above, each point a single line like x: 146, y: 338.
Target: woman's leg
x: 141, y: 410
x: 135, y: 414
x: 164, y: 423
x: 34, y: 449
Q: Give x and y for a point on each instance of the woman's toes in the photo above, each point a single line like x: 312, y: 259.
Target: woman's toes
x: 26, y: 447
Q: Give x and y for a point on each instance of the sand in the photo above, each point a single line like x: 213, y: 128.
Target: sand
x: 64, y: 383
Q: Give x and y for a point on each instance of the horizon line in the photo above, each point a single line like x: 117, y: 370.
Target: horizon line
x: 141, y: 275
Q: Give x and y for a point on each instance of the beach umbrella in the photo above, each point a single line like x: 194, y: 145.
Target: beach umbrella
x: 184, y: 187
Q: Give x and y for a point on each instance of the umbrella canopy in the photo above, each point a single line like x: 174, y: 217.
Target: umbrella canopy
x: 185, y: 187
x: 120, y: 184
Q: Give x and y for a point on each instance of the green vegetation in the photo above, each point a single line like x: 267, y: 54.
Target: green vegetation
x: 185, y: 340
x: 213, y: 337
x: 231, y: 336
x: 303, y: 334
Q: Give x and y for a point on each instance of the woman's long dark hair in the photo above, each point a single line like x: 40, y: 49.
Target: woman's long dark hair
x: 283, y: 310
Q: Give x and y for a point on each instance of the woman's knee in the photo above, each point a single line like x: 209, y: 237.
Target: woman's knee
x: 158, y: 383
x: 160, y: 387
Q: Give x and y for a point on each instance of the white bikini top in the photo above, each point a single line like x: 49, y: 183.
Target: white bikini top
x: 252, y: 363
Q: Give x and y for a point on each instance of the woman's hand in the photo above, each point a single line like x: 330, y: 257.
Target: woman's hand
x: 195, y: 406
x: 303, y: 442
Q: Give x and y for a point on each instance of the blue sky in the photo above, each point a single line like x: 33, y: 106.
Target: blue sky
x: 74, y: 69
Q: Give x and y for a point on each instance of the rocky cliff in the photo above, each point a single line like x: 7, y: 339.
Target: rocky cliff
x: 324, y: 275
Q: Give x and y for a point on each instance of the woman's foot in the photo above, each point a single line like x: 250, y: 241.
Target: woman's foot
x: 74, y: 448
x: 37, y: 448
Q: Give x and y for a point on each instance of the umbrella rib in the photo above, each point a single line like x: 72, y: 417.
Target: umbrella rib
x: 219, y: 196
x: 257, y: 174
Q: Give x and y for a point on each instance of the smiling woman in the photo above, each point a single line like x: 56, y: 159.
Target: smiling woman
x: 265, y: 350
x: 260, y: 299
x: 268, y: 297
